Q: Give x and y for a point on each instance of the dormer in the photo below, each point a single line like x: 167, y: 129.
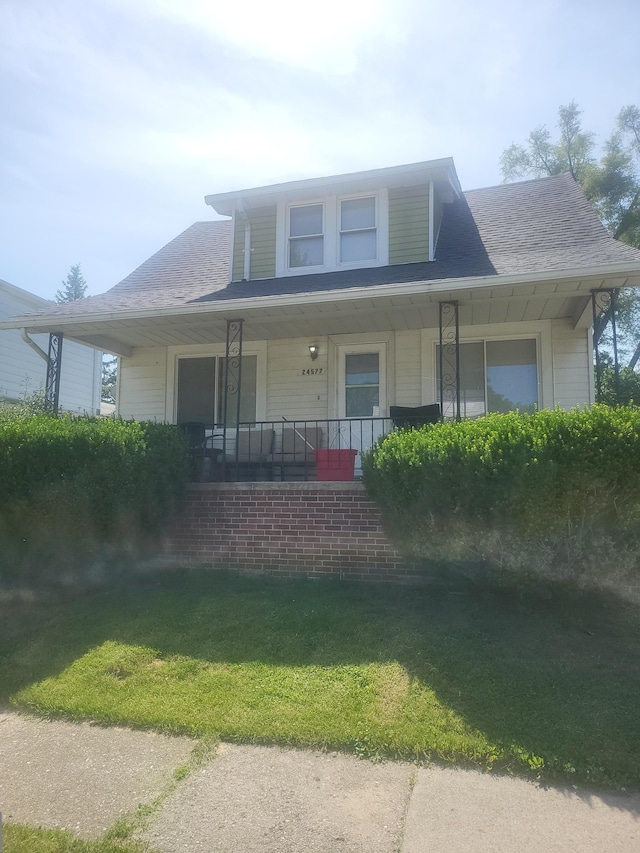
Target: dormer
x: 354, y: 221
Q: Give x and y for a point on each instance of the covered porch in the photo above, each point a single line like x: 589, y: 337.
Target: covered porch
x: 264, y: 384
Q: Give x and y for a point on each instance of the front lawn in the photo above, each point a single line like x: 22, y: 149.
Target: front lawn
x: 454, y: 675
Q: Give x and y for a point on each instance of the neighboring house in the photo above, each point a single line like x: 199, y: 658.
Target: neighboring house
x: 23, y: 370
x: 350, y: 294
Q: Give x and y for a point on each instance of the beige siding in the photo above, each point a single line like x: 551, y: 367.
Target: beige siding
x: 263, y: 243
x: 408, y: 225
x: 407, y: 364
x: 143, y: 380
x: 571, y: 359
x: 238, y: 249
x: 292, y: 394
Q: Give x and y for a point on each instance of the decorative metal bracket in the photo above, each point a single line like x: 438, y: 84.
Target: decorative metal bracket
x: 603, y: 303
x: 232, y: 379
x: 449, y: 355
x: 54, y: 366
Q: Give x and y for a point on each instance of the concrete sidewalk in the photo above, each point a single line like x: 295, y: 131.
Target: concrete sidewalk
x: 274, y: 800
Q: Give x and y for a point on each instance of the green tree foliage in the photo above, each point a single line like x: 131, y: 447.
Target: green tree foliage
x: 611, y: 183
x: 624, y: 392
x: 74, y: 288
x: 109, y: 379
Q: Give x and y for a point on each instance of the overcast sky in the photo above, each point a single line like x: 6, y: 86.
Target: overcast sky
x: 118, y: 116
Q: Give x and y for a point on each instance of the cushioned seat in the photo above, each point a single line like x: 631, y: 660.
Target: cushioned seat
x: 254, y: 453
x: 296, y: 453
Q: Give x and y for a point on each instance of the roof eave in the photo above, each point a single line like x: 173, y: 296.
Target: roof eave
x: 226, y: 203
x: 231, y: 307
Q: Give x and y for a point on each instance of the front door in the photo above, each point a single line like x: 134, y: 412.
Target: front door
x: 362, y: 397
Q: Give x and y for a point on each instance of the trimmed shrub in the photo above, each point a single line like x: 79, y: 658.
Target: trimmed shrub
x: 552, y: 493
x: 81, y: 493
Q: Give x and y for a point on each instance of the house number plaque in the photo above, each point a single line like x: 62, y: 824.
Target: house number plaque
x: 311, y: 371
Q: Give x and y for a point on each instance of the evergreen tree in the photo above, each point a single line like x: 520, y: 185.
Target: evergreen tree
x: 109, y: 378
x: 75, y: 287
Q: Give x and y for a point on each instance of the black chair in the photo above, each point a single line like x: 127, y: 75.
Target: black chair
x: 409, y: 417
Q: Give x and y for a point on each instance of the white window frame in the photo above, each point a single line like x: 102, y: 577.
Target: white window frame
x: 346, y: 231
x: 257, y: 348
x: 538, y: 330
x: 323, y: 234
x: 331, y: 223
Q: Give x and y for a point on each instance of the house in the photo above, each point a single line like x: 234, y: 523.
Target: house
x: 325, y: 302
x: 23, y: 366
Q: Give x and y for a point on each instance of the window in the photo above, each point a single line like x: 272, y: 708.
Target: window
x: 331, y: 233
x: 306, y: 237
x: 200, y: 386
x: 358, y: 236
x: 495, y: 376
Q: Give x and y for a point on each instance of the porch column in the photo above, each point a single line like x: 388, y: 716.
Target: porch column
x: 449, y: 359
x: 603, y: 303
x: 232, y: 380
x: 54, y: 366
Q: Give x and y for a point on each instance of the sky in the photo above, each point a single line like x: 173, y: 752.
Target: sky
x: 117, y: 117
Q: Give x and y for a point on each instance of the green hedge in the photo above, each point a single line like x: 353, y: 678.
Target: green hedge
x: 77, y: 491
x: 554, y: 492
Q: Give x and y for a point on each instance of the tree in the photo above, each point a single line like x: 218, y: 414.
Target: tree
x: 611, y: 183
x: 109, y: 378
x: 75, y: 287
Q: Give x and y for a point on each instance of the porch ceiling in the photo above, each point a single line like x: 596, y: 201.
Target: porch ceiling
x: 379, y: 309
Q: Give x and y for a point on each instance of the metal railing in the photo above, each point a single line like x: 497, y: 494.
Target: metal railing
x: 301, y: 449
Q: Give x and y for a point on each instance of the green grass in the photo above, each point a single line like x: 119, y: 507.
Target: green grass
x: 18, y: 838
x: 451, y: 675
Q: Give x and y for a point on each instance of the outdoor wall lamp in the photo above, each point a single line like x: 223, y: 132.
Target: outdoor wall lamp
x: 313, y: 351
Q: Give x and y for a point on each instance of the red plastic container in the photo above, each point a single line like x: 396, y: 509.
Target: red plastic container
x: 334, y: 464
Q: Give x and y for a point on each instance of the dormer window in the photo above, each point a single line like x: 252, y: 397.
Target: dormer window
x: 358, y: 233
x: 306, y: 235
x: 332, y: 233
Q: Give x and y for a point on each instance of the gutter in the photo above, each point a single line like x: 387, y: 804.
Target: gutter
x: 231, y: 307
x: 34, y: 346
x: 431, y: 222
x: 246, y: 271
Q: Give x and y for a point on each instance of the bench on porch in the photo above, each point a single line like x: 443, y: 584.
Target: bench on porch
x: 295, y: 458
x: 248, y: 456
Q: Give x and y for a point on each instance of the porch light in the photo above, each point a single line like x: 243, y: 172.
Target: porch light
x: 313, y: 351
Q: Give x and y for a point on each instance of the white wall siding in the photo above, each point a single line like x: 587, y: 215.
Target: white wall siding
x: 80, y: 378
x: 299, y: 388
x: 142, y: 385
x: 572, y: 377
x: 23, y: 371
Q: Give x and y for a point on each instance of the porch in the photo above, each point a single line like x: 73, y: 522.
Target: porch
x: 292, y: 450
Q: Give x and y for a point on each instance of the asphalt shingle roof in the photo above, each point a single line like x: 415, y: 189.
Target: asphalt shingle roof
x: 534, y: 226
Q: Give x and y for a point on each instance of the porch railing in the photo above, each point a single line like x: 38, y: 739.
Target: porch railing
x: 278, y: 450
x: 301, y: 449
